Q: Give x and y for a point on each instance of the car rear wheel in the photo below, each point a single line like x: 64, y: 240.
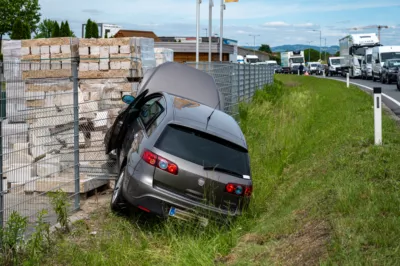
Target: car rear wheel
x: 398, y: 85
x: 117, y: 200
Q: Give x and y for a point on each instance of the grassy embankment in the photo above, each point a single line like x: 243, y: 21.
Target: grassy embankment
x: 323, y: 193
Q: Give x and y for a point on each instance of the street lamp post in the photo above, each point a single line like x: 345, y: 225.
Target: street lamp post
x: 325, y: 50
x: 254, y: 47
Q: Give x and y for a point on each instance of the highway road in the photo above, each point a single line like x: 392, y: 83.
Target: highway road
x: 391, y: 95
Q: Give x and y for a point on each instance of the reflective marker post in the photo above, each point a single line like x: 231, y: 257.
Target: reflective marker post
x: 348, y: 80
x: 378, y: 115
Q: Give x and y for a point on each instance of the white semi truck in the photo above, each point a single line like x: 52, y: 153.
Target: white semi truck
x: 352, y: 51
x: 291, y: 59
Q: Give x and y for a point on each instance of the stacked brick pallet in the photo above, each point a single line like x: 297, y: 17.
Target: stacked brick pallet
x: 163, y: 55
x: 40, y: 98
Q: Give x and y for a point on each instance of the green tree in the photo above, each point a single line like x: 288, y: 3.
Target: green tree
x: 56, y: 30
x: 88, y: 29
x: 337, y: 53
x: 62, y: 29
x: 95, y: 30
x: 18, y: 32
x: 11, y: 10
x: 311, y: 55
x: 68, y: 31
x: 265, y: 48
x: 27, y: 31
x: 45, y: 29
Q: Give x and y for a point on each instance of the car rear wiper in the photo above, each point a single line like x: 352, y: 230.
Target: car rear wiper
x: 222, y: 170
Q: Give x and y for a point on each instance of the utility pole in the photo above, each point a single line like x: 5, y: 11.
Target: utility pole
x: 325, y: 50
x: 254, y: 47
x: 320, y: 43
x: 206, y: 31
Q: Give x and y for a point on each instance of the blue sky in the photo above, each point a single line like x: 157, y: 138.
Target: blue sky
x: 276, y: 21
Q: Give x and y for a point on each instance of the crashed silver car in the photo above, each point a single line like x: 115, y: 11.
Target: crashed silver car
x: 178, y: 153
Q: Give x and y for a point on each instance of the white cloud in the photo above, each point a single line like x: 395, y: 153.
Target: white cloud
x: 276, y: 24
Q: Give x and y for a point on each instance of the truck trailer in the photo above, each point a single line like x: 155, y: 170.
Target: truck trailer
x: 291, y: 59
x: 352, y: 51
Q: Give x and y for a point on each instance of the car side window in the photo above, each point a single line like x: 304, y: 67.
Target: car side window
x: 157, y: 121
x: 151, y: 111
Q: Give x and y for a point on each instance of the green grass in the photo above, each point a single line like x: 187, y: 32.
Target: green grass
x: 323, y: 193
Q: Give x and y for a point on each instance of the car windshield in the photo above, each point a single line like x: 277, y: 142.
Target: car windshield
x: 297, y: 60
x: 393, y: 63
x: 391, y: 55
x: 252, y: 60
x: 369, y: 58
x: 203, y: 149
x: 335, y: 62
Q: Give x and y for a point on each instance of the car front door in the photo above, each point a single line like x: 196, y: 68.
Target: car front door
x: 116, y: 133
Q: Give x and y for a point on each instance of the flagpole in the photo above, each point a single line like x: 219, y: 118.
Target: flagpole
x: 210, y: 30
x: 197, y: 28
x: 221, y: 29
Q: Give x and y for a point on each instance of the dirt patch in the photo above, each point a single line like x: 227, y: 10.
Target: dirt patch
x: 306, y: 247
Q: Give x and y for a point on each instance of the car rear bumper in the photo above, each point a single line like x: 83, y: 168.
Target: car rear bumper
x: 138, y: 190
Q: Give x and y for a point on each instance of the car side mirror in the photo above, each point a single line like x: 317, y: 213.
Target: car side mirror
x: 128, y: 99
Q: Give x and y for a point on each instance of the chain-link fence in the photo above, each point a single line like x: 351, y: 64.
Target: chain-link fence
x: 53, y: 123
x: 237, y: 82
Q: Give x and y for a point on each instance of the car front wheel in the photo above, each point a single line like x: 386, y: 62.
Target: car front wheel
x: 117, y: 200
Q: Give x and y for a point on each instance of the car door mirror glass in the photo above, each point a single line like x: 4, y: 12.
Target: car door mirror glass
x: 128, y: 99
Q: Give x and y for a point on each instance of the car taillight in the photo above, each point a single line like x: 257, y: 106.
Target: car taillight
x: 160, y: 162
x: 239, y: 190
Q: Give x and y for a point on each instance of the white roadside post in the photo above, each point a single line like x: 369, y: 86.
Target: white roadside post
x: 378, y: 115
x: 348, y: 80
x: 298, y: 72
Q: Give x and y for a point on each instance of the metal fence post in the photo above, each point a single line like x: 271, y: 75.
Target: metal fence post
x: 76, y: 134
x: 238, y: 82
x: 1, y: 149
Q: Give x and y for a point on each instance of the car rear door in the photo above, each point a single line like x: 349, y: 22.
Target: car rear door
x: 116, y: 133
x: 206, y: 165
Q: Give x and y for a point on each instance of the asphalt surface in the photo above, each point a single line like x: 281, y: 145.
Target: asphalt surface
x: 391, y: 95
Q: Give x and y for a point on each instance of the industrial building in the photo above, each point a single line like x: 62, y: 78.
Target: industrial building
x: 184, y: 47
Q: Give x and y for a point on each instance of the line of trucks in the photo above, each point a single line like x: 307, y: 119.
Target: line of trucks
x: 361, y: 55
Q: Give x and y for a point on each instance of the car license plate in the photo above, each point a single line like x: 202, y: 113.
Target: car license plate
x: 172, y: 211
x: 187, y: 216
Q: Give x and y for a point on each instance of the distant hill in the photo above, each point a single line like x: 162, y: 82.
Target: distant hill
x: 291, y: 47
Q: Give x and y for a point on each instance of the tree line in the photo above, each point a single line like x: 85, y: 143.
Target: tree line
x: 311, y: 55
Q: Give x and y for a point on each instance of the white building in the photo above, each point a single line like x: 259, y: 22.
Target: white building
x: 105, y: 29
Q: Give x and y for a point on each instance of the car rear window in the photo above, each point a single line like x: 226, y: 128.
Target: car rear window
x: 203, y: 149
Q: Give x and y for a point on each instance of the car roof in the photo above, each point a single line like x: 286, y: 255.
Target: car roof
x: 183, y: 80
x: 193, y: 114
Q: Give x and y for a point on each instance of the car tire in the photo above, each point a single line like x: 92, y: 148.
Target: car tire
x: 398, y: 85
x: 382, y: 80
x: 388, y: 81
x: 117, y: 200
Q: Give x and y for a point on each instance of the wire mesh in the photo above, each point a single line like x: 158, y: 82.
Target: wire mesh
x: 35, y: 157
x: 236, y: 82
x: 53, y: 127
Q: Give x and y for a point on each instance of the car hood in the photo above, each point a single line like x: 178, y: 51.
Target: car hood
x: 185, y: 81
